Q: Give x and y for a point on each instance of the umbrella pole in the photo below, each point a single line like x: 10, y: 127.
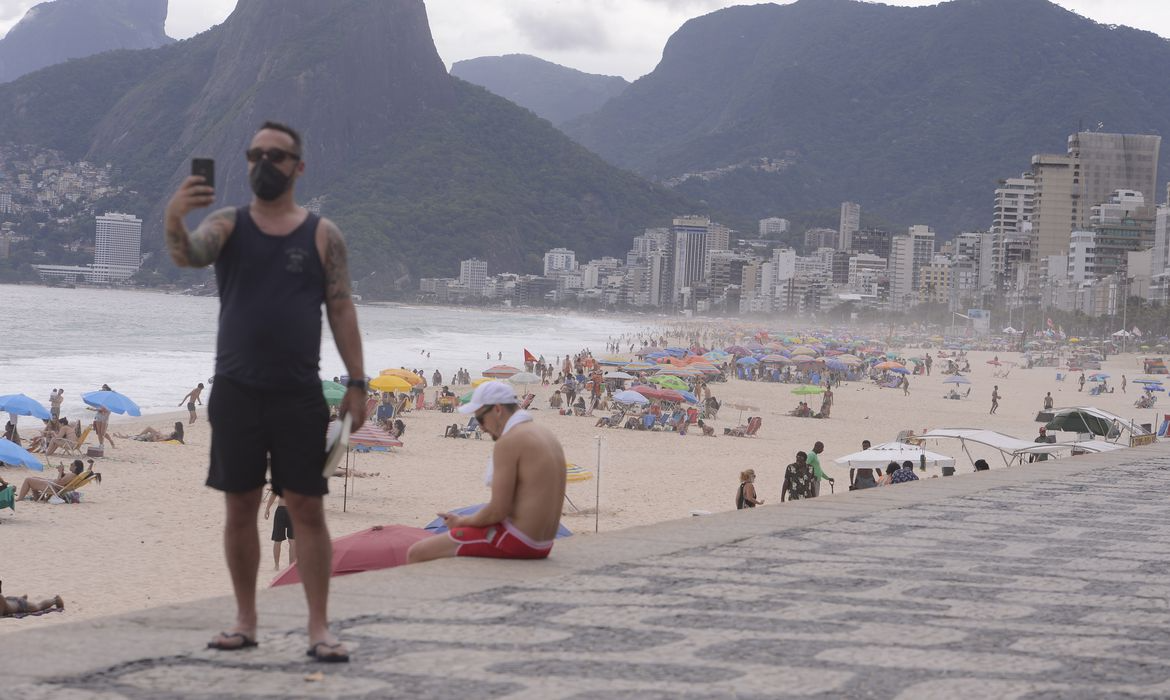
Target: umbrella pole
x: 345, y: 485
x: 597, y: 495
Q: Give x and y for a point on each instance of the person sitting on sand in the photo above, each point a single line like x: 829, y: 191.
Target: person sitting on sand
x: 152, y: 435
x: 889, y: 475
x: 555, y: 401
x: 20, y: 605
x: 36, y: 486
x: 708, y: 431
x: 527, y: 477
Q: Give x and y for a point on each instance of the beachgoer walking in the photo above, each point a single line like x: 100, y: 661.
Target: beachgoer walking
x: 826, y: 403
x: 192, y: 398
x: 995, y: 398
x: 56, y: 396
x: 101, y: 424
x: 745, y: 497
x: 1081, y: 382
x: 799, y: 481
x: 526, y: 474
x: 276, y: 263
x: 929, y: 363
x: 814, y: 460
x: 905, y: 385
x: 282, y: 529
x: 1048, y: 401
x: 1123, y: 383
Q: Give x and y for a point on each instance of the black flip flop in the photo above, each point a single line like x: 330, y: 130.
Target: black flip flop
x: 314, y: 652
x: 245, y: 642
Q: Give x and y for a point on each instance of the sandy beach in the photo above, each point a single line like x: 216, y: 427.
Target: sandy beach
x: 150, y: 533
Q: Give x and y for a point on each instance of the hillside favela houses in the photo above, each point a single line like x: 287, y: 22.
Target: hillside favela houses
x: 1080, y: 231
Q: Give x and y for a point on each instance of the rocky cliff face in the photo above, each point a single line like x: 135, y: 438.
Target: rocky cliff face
x: 53, y: 32
x: 551, y: 91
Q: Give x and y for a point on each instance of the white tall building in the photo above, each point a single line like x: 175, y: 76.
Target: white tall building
x: 903, y: 290
x: 850, y: 224
x: 559, y: 260
x: 1082, y: 257
x: 1015, y: 199
x: 473, y: 275
x: 117, y: 247
x: 773, y: 227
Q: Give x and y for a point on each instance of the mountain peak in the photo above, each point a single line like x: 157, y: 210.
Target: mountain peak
x: 53, y: 32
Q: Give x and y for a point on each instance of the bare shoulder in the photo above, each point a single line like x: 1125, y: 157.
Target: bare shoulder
x: 328, y: 232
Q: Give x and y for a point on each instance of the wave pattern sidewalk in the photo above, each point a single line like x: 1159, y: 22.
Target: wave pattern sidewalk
x: 1054, y: 588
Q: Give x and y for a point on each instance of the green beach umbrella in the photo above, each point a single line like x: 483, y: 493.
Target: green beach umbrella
x: 806, y: 389
x: 669, y: 382
x: 333, y: 391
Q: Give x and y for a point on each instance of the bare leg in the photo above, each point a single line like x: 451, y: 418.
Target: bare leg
x: 292, y: 551
x: 314, y: 560
x: 241, y: 544
x: 437, y: 547
x: 276, y: 554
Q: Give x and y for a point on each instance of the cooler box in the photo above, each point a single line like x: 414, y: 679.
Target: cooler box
x: 95, y: 452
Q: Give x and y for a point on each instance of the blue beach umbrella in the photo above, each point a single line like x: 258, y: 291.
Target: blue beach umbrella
x: 117, y: 403
x: 438, y: 526
x: 691, y: 398
x: 899, y: 370
x: 956, y: 380
x: 22, y: 405
x: 747, y: 361
x: 11, y: 453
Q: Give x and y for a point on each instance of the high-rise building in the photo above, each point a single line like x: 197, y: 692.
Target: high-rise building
x: 1056, y: 203
x: 903, y: 291
x: 1110, y: 162
x: 935, y: 280
x: 473, y: 275
x: 816, y: 238
x: 850, y: 224
x: 117, y: 247
x: 773, y: 227
x: 690, y: 253
x: 1015, y: 200
x: 874, y: 241
x: 1122, y: 225
x: 1082, y: 257
x: 559, y: 260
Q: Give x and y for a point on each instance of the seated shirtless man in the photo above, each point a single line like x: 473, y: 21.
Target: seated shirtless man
x: 527, y: 473
x: 15, y: 605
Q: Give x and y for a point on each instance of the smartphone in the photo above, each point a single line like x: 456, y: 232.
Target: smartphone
x: 204, y: 168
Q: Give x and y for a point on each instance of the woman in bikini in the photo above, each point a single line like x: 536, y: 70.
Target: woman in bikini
x: 745, y: 497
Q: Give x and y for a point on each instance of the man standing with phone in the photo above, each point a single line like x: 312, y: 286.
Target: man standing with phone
x: 276, y: 264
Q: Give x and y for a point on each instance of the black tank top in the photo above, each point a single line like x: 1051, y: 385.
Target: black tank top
x: 271, y: 289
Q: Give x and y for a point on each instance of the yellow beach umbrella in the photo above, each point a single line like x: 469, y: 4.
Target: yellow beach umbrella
x: 389, y: 382
x: 404, y: 373
x: 480, y: 380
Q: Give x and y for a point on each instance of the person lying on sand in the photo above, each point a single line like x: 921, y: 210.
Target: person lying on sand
x: 152, y: 435
x: 16, y: 605
x: 527, y: 478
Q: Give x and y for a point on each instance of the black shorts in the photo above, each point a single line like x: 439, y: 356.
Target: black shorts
x: 250, y: 425
x: 282, y: 525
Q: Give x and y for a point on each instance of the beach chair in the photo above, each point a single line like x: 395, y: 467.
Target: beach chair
x: 527, y: 401
x: 63, y: 491
x: 648, y: 421
x: 472, y: 428
x: 752, y: 427
x: 8, y: 498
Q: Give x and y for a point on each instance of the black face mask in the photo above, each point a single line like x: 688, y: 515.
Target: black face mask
x: 267, y: 181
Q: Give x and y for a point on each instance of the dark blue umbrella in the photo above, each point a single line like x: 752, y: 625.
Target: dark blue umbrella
x: 117, y: 403
x: 438, y: 526
x: 11, y: 453
x: 22, y: 405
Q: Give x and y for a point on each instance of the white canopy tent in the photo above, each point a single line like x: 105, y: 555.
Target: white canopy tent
x: 878, y: 456
x: 1013, y: 449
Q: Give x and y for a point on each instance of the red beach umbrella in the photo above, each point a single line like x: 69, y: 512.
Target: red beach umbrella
x: 378, y: 547
x: 500, y: 371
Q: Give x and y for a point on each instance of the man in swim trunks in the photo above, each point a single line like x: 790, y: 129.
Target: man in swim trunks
x: 192, y: 398
x: 527, y: 473
x: 18, y: 605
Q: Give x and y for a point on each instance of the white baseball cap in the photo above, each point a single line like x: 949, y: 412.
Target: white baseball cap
x: 489, y: 394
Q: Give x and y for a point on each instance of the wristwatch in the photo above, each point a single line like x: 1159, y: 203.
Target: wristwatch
x: 358, y: 383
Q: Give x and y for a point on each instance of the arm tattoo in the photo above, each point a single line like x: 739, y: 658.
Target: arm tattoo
x: 200, y: 247
x: 336, y: 265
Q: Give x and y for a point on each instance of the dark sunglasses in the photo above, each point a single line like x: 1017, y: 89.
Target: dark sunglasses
x: 482, y: 414
x: 274, y: 155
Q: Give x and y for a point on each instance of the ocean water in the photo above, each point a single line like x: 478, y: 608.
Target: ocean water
x: 155, y: 347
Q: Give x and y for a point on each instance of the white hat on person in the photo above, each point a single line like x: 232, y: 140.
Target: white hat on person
x: 489, y: 394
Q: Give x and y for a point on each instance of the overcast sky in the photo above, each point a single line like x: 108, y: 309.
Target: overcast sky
x: 613, y: 37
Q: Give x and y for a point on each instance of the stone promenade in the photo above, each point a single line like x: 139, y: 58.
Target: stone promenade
x: 1048, y: 580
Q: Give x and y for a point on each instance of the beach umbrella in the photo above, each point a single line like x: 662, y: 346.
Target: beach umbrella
x: 523, y: 379
x: 737, y: 350
x: 111, y: 400
x: 747, y: 361
x: 651, y: 392
x: 333, y: 391
x: 500, y: 371
x: 630, y: 397
x: 618, y: 375
x: 899, y: 370
x: 1154, y: 387
x: 689, y: 397
x: 1098, y: 377
x: 669, y: 382
x: 836, y: 365
x: 616, y: 360
x: 774, y: 357
x: 879, y: 456
x: 807, y: 389
x: 406, y: 374
x: 574, y: 473
x: 956, y: 380
x: 389, y: 382
x: 11, y: 453
x: 741, y: 407
x: 378, y: 547
x: 1147, y: 381
x: 23, y: 405
x: 437, y: 525
x: 480, y: 380
x: 889, y: 364
x: 640, y: 366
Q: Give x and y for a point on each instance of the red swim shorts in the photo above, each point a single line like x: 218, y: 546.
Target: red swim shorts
x: 501, y: 541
